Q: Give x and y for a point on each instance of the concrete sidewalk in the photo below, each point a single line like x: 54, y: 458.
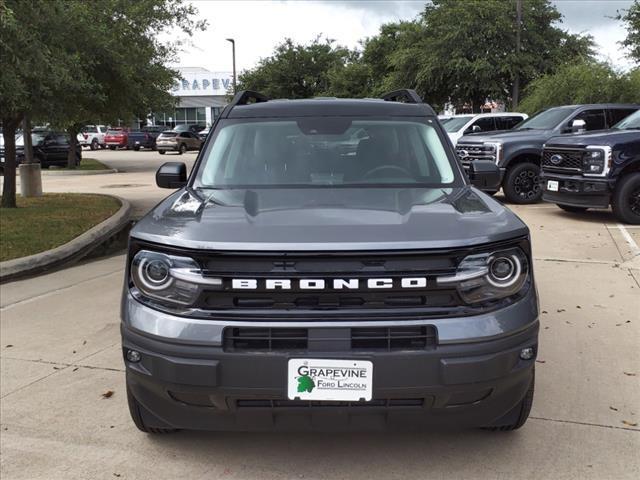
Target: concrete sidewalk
x: 60, y: 352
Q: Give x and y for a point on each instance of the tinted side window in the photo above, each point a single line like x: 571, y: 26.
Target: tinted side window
x: 617, y: 114
x: 594, y: 119
x: 184, y: 135
x: 507, y: 123
x: 485, y: 124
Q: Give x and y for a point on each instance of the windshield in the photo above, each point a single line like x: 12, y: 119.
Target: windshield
x: 632, y: 122
x: 546, y: 120
x: 115, y: 132
x: 326, y: 151
x: 456, y: 123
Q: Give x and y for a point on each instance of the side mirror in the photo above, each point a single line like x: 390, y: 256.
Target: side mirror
x: 172, y: 175
x: 476, y: 129
x: 578, y: 126
x: 484, y: 174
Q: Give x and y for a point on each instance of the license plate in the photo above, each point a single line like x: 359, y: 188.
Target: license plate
x: 137, y: 142
x: 553, y: 185
x: 323, y: 379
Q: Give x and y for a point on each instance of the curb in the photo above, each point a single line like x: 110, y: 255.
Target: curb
x: 71, y: 251
x: 78, y: 172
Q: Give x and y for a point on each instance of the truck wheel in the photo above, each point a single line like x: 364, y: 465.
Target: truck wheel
x: 103, y: 146
x: 161, y: 152
x: 94, y: 144
x: 626, y: 199
x: 521, y: 184
x: 518, y: 415
x: 135, y: 409
x: 137, y: 149
x: 112, y: 147
x: 182, y: 149
x: 570, y: 209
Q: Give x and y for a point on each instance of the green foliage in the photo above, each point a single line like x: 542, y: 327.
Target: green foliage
x: 632, y: 20
x: 587, y: 82
x: 296, y: 71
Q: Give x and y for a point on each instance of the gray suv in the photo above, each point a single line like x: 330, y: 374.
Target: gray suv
x: 328, y: 265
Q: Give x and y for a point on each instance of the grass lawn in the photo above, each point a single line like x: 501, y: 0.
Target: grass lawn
x: 87, y: 164
x: 42, y: 223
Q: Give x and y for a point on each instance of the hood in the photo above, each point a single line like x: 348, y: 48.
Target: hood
x: 609, y: 138
x: 510, y: 135
x: 320, y: 219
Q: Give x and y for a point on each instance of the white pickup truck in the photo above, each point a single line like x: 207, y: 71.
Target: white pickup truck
x: 92, y: 136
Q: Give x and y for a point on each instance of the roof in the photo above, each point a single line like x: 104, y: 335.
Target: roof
x: 331, y: 107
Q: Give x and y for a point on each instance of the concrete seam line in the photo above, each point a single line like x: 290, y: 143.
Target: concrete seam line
x: 635, y: 250
x: 586, y: 424
x: 71, y: 250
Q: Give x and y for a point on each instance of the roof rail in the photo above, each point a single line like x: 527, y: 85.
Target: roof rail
x: 244, y: 96
x: 405, y: 95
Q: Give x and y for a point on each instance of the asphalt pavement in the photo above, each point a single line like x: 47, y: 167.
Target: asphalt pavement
x: 60, y: 358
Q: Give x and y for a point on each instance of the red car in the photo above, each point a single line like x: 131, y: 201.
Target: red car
x: 117, y: 137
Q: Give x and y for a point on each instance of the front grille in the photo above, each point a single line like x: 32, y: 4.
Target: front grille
x: 375, y: 403
x: 562, y: 159
x: 246, y: 339
x: 469, y: 152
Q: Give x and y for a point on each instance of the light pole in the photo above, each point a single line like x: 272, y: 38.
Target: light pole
x: 233, y: 53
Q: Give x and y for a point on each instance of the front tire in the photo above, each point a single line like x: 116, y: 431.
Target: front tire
x: 137, y: 149
x: 94, y: 144
x: 161, y: 152
x: 519, y: 414
x: 112, y: 147
x: 626, y: 199
x: 570, y: 209
x: 182, y: 149
x: 521, y: 184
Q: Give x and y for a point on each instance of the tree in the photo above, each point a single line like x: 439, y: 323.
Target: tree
x: 61, y: 68
x: 632, y: 20
x: 586, y: 82
x: 469, y: 48
x: 295, y: 70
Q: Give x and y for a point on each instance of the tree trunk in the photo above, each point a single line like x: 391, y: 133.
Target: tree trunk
x: 73, y: 145
x: 28, y: 144
x: 515, y: 91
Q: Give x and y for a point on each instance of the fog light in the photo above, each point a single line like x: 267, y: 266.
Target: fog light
x: 527, y: 353
x: 134, y: 356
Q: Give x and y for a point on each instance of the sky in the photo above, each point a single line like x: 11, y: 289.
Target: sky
x: 258, y: 26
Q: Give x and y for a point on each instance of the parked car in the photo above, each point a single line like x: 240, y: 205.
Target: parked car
x: 117, y: 137
x: 180, y: 142
x: 93, y: 136
x: 595, y: 170
x: 144, y: 138
x: 458, y: 125
x: 518, y: 151
x: 203, y: 134
x: 287, y: 284
x: 49, y: 148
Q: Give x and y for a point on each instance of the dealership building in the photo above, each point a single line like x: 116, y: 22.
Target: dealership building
x: 201, y: 94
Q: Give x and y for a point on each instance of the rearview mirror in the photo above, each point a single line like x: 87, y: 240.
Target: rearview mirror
x: 172, y: 175
x: 484, y: 174
x: 578, y: 126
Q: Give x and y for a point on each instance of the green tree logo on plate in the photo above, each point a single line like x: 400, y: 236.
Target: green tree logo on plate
x: 305, y: 384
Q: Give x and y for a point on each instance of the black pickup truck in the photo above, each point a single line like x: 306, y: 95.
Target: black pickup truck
x: 144, y: 138
x: 518, y: 151
x: 595, y: 170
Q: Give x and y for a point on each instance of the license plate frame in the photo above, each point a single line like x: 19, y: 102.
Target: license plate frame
x: 553, y: 185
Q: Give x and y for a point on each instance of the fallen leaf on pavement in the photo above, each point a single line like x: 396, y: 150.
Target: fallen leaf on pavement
x: 107, y: 394
x: 544, y: 312
x: 631, y: 424
x: 541, y: 361
x: 629, y: 374
x: 8, y: 346
x: 560, y: 310
x: 613, y: 408
x: 578, y: 306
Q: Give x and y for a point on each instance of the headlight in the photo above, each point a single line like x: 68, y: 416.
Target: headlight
x: 489, y: 276
x: 497, y: 148
x: 168, y: 278
x: 595, y: 160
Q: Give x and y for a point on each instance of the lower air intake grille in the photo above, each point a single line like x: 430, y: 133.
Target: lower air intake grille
x: 240, y: 339
x: 380, y: 403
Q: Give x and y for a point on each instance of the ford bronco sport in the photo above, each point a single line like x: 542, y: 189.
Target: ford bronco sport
x: 327, y: 265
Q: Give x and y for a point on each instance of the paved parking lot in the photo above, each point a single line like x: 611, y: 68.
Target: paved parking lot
x: 60, y: 352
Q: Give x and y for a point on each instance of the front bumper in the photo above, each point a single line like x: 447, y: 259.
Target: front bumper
x: 167, y: 147
x: 577, y: 191
x: 194, y: 383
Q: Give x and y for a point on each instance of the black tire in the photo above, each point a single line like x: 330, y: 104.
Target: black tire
x: 491, y: 192
x: 182, y: 149
x: 521, y: 184
x: 112, y: 147
x: 518, y: 415
x: 570, y: 209
x: 626, y: 199
x: 137, y: 149
x: 135, y: 409
x: 103, y: 146
x: 161, y: 152
x: 94, y: 144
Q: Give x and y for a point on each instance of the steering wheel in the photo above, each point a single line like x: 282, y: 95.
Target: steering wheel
x: 375, y: 172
